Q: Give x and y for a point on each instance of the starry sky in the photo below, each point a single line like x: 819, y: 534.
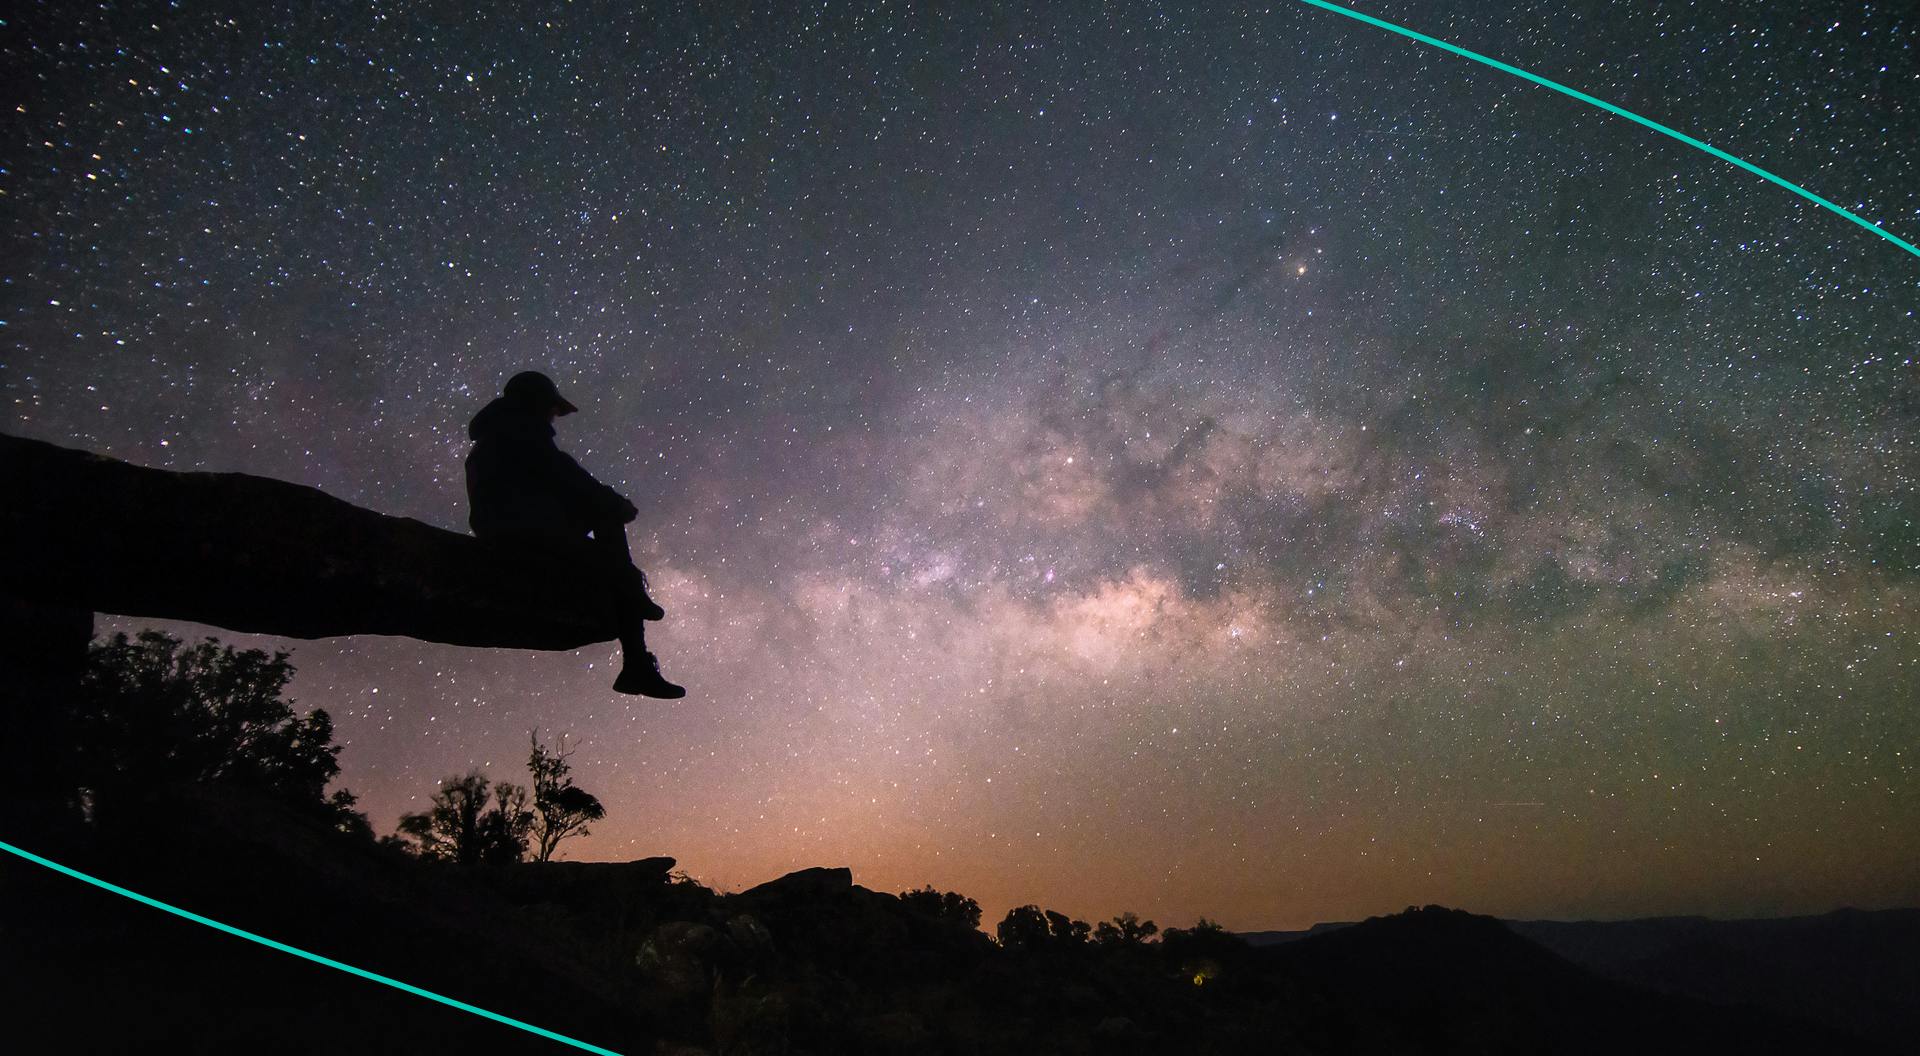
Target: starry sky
x: 1197, y: 460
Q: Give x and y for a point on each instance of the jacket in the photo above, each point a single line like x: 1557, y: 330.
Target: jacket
x: 520, y: 484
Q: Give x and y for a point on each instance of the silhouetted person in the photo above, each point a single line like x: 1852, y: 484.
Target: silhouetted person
x: 523, y: 489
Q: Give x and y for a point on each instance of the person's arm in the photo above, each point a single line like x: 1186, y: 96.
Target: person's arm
x: 582, y: 490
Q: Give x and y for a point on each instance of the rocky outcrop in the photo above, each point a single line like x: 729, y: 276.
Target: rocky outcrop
x: 817, y: 882
x: 80, y: 531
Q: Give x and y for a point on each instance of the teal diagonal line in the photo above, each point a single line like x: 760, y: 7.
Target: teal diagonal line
x: 297, y: 952
x: 1628, y: 114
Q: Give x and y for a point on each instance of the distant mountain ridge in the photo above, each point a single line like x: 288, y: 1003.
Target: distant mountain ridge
x: 1852, y: 970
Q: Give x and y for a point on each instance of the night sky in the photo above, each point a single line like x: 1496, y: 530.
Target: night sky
x: 1187, y: 460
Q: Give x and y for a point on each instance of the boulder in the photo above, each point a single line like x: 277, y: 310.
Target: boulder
x: 682, y: 956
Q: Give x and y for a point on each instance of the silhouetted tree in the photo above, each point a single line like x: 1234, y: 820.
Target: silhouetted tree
x: 346, y: 820
x: 1023, y: 928
x: 560, y: 808
x: 1204, y: 933
x: 1065, y: 929
x: 505, y: 827
x: 450, y: 829
x: 1127, y: 929
x: 943, y: 905
x: 1030, y: 927
x: 1203, y: 950
x: 151, y: 710
x: 464, y: 826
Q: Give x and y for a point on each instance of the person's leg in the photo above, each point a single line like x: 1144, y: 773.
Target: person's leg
x: 640, y: 671
x: 611, y: 539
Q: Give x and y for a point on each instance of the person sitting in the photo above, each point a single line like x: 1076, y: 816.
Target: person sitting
x: 523, y: 490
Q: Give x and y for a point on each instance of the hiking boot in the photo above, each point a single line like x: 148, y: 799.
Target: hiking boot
x: 643, y: 677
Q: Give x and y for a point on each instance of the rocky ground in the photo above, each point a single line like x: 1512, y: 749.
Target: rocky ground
x: 636, y: 959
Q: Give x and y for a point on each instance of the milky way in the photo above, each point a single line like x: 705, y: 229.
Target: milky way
x: 1187, y: 460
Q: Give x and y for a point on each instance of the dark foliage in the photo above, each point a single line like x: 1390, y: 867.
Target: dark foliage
x: 1064, y: 929
x: 949, y: 906
x: 1032, y: 928
x: 472, y: 821
x: 153, y: 711
x: 1023, y: 928
x: 1127, y: 929
x: 467, y: 826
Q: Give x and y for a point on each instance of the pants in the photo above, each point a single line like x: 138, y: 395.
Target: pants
x: 608, y: 548
x: 628, y: 582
